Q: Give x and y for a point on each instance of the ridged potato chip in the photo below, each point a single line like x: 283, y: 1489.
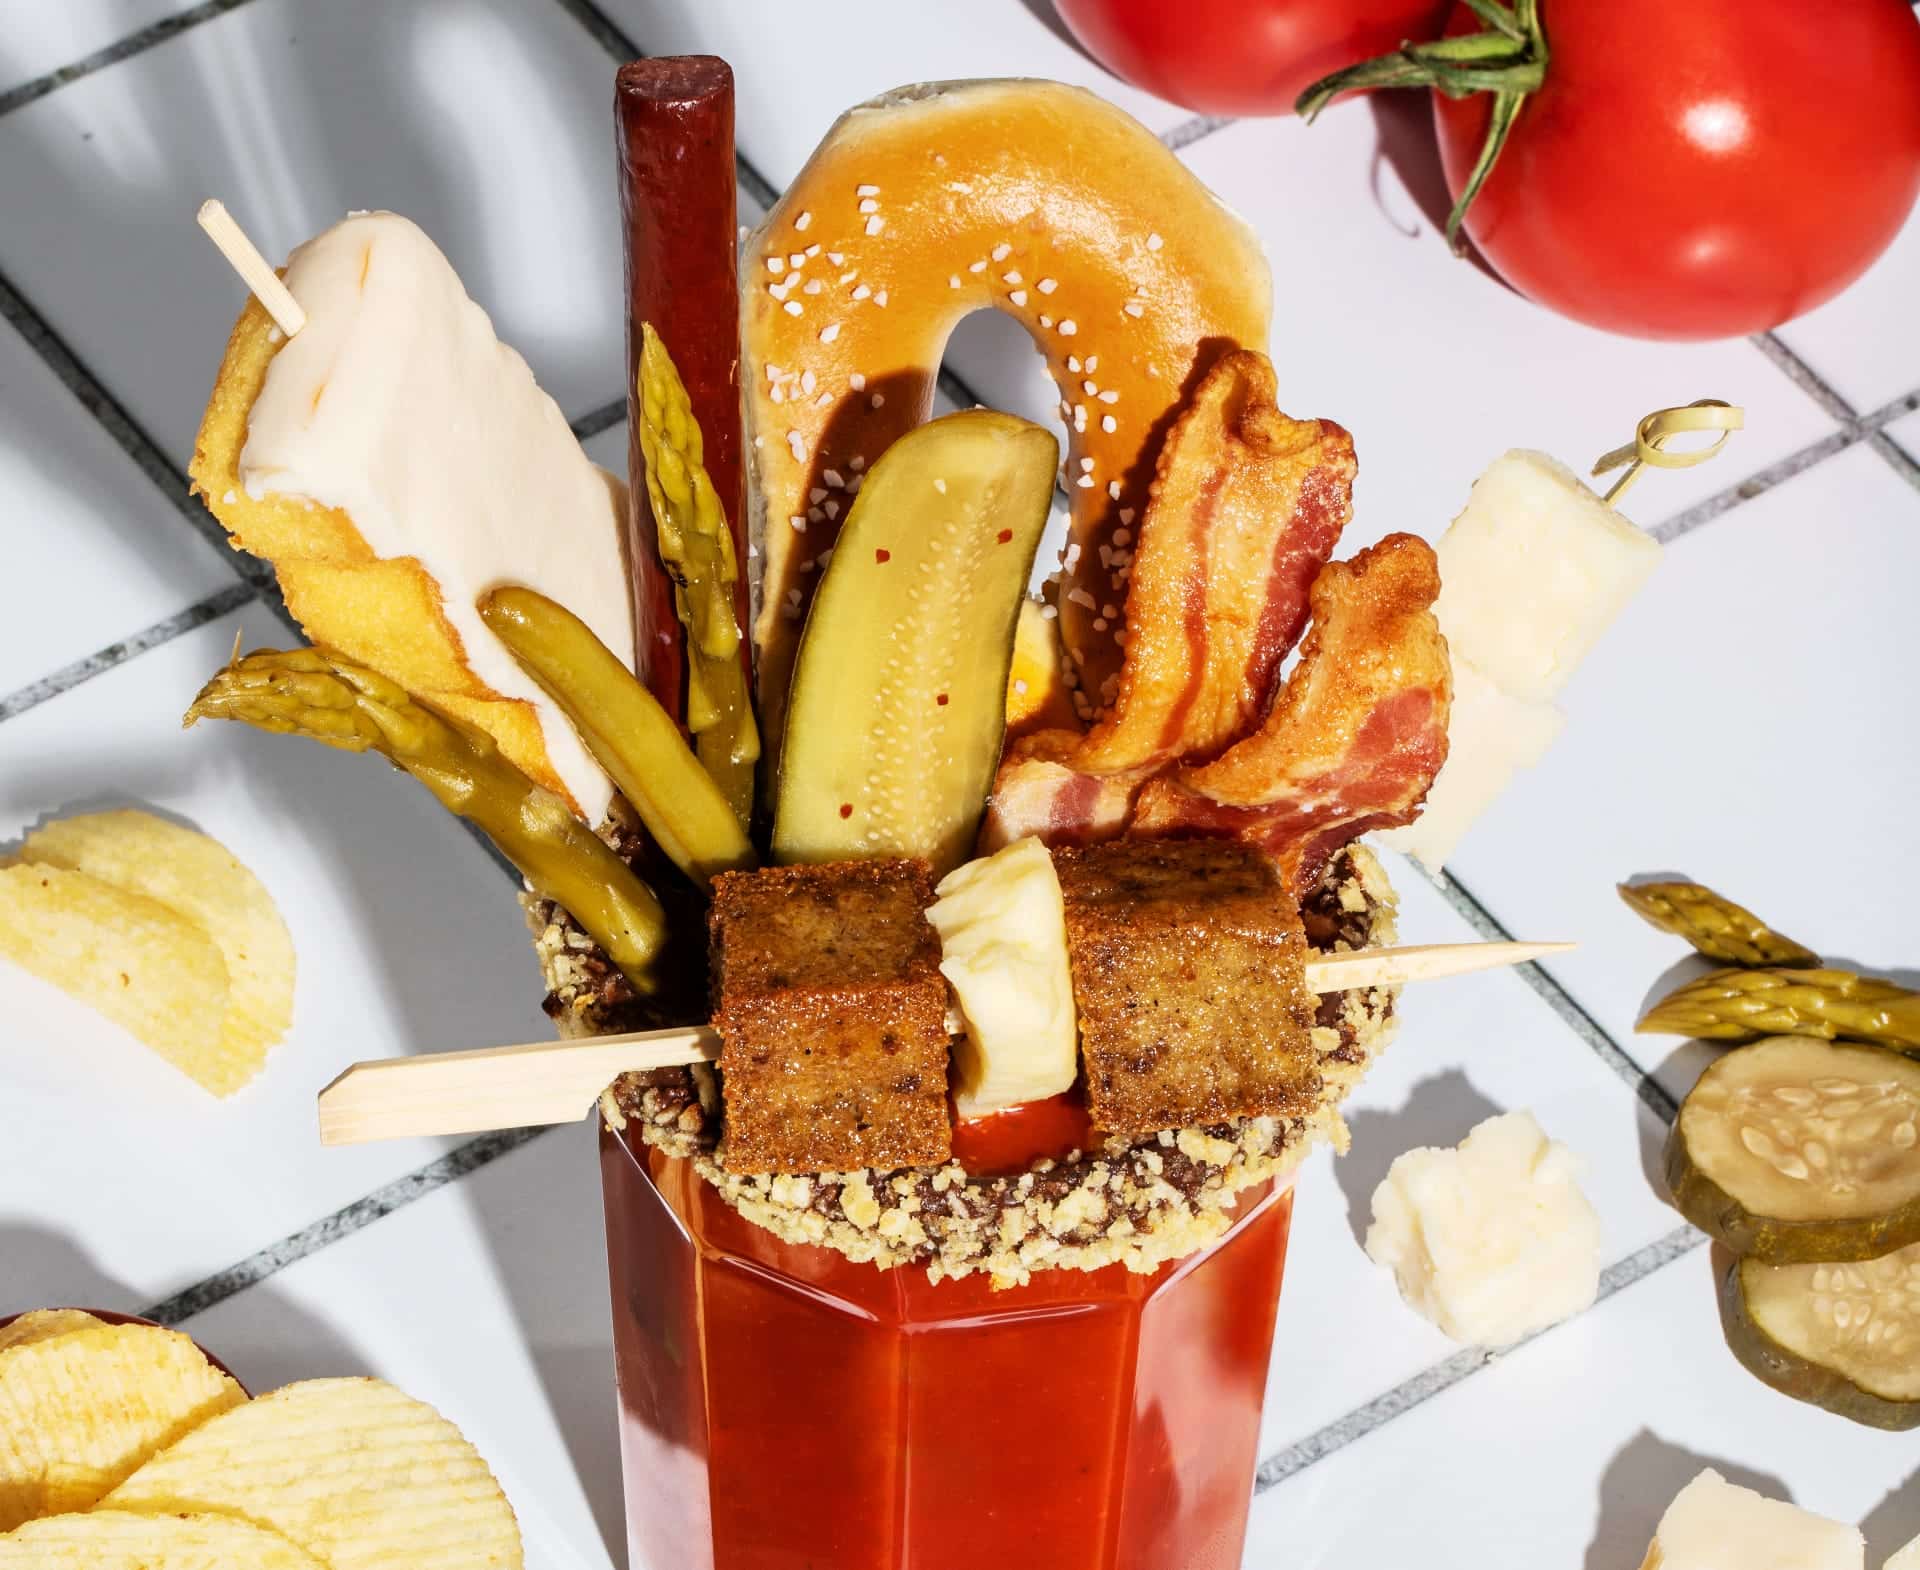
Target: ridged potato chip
x: 357, y: 1473
x: 80, y: 1412
x: 120, y: 1540
x: 205, y: 882
x: 41, y: 1324
x: 139, y: 962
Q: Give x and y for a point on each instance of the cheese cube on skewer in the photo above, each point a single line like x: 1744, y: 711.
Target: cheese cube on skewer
x: 1712, y: 1524
x: 1533, y: 571
x: 1490, y: 738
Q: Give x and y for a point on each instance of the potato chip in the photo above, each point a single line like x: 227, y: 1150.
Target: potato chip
x: 120, y: 1540
x: 354, y: 1471
x: 201, y: 879
x: 140, y: 963
x: 81, y: 1411
x: 42, y: 1324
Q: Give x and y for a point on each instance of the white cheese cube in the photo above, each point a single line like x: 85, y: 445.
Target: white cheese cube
x: 1493, y: 1240
x: 1003, y: 943
x: 1490, y: 738
x: 1533, y: 571
x: 1907, y: 1558
x: 1716, y: 1525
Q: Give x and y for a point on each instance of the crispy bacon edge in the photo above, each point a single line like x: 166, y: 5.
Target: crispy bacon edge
x: 1357, y: 735
x: 1246, y: 506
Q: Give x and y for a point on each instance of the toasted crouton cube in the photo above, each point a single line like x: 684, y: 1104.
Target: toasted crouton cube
x: 832, y: 1015
x: 1189, y: 970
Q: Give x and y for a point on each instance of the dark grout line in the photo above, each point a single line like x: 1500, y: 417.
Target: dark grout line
x: 99, y: 663
x: 604, y: 418
x: 112, y: 416
x: 1556, y: 997
x: 1856, y: 426
x: 1704, y: 512
x: 1188, y: 132
x: 124, y: 49
x: 1804, y: 376
x: 1463, y: 1365
x: 343, y: 1223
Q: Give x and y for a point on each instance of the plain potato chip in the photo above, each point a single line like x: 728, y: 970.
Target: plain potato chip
x: 79, y: 1412
x: 140, y: 963
x: 203, y: 880
x: 357, y: 1473
x: 120, y: 1540
x: 40, y: 1324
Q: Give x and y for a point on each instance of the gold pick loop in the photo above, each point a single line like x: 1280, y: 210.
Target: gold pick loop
x: 1653, y: 433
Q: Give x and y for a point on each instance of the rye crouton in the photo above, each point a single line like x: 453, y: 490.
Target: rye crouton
x: 831, y: 1010
x: 1189, y: 971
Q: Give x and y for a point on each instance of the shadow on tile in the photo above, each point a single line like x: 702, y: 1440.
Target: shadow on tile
x: 1641, y: 1481
x: 44, y: 1269
x: 1438, y: 1111
x: 1894, y: 1522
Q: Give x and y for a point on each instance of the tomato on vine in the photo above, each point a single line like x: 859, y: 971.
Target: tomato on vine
x: 1671, y: 170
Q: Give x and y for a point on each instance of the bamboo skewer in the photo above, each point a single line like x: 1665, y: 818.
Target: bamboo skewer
x: 254, y: 269
x: 559, y: 1081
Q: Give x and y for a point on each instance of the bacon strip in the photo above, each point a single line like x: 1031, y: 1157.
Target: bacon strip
x: 1246, y: 506
x: 1038, y: 792
x: 1357, y: 734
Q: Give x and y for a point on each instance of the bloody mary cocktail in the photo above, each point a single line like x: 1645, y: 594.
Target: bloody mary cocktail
x: 785, y: 1408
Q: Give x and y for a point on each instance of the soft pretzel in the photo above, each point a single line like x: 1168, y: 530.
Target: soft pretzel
x: 1028, y: 197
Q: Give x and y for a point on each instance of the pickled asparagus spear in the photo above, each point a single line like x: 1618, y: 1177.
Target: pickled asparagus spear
x: 626, y: 730
x: 1743, y: 1005
x: 1714, y: 925
x: 698, y: 550
x: 307, y: 692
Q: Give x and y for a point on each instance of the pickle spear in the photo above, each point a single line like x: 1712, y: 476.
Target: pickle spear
x: 626, y: 730
x: 307, y: 692
x: 1841, y: 1336
x: 899, y: 689
x: 1743, y: 1005
x: 1795, y: 1149
x: 1714, y: 925
x: 697, y: 548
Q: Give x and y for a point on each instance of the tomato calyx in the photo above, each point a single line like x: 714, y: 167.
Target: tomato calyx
x: 1508, y: 59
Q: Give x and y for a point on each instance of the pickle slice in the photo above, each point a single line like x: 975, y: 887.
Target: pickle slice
x: 899, y: 691
x: 1843, y: 1336
x: 1795, y: 1150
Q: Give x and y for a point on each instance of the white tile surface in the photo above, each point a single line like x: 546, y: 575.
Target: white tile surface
x: 797, y: 67
x: 487, y: 1300
x: 44, y: 35
x: 1740, y: 725
x: 1468, y: 1048
x: 1866, y: 341
x: 1566, y: 1451
x: 490, y: 125
x: 1435, y: 367
x: 99, y: 550
x: 120, y: 1177
x: 1745, y: 723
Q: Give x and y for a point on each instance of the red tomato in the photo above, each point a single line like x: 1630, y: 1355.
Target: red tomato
x: 1692, y: 169
x: 1239, y: 57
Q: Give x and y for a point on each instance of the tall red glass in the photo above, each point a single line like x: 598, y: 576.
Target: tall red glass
x: 782, y: 1408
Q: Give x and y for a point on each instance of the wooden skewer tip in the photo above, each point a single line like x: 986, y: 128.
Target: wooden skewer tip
x: 254, y: 269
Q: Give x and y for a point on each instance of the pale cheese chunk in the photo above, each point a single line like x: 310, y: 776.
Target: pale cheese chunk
x: 1907, y: 1558
x: 1003, y: 942
x: 1490, y: 738
x: 1716, y: 1525
x: 1493, y: 1240
x: 1533, y: 572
